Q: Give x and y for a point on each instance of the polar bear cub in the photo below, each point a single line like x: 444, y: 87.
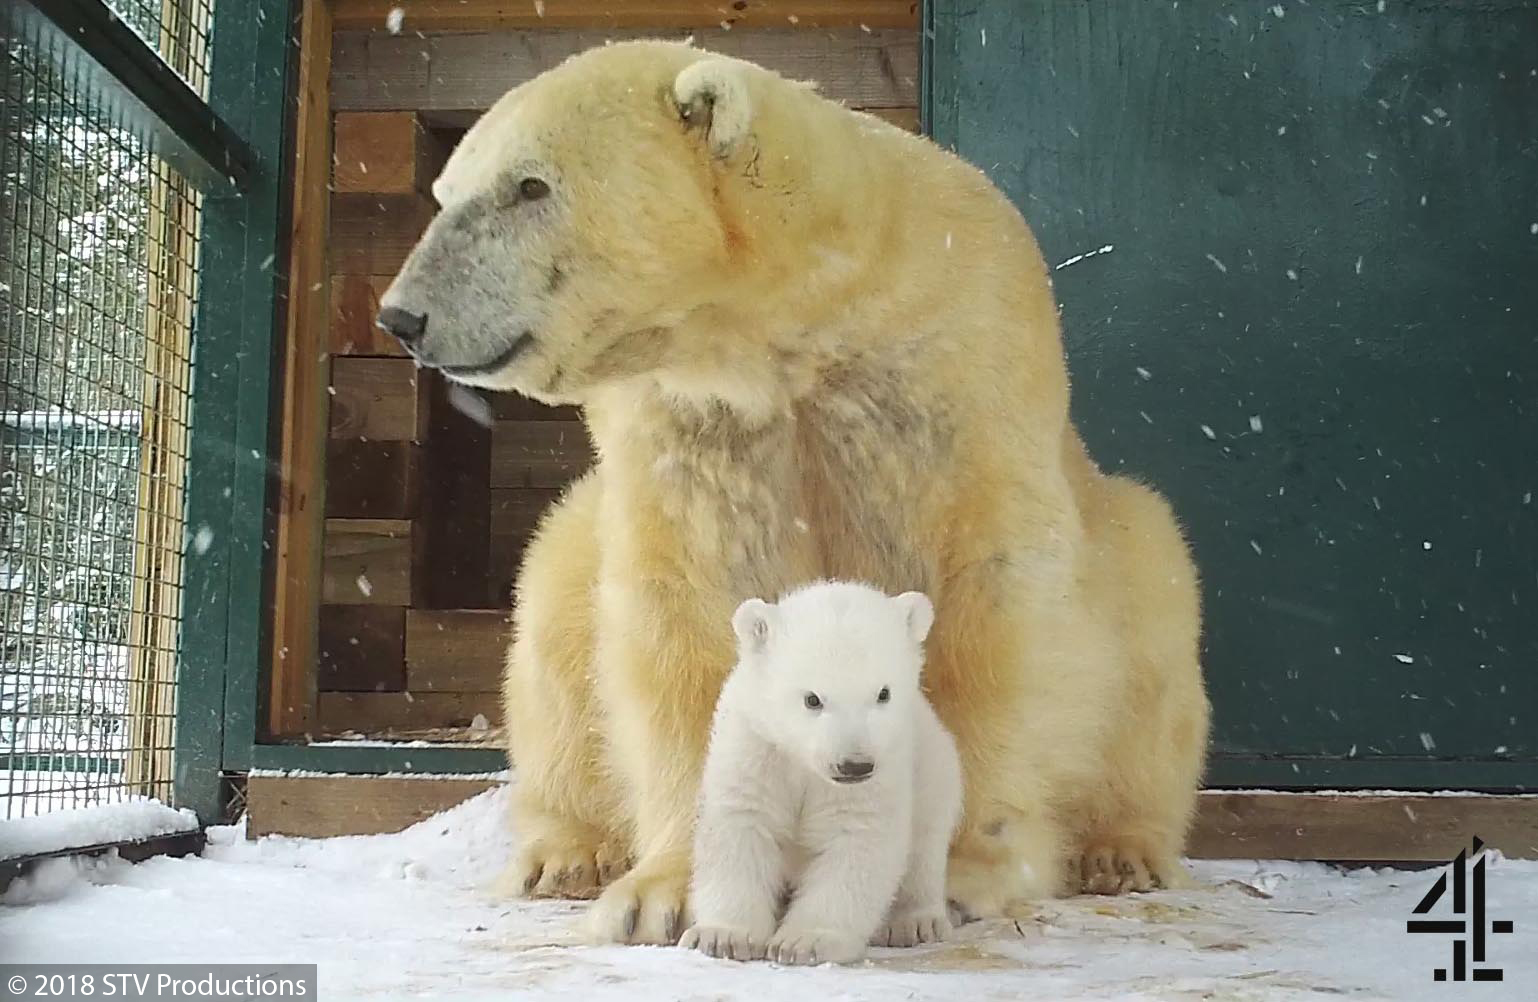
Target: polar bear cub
x: 830, y: 783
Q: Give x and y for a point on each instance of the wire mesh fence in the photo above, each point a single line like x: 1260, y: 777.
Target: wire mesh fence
x: 177, y: 31
x: 98, y: 274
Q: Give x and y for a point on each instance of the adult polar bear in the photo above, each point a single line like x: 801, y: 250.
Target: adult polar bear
x: 807, y: 344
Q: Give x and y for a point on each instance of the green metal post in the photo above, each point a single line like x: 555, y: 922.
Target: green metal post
x: 229, y: 481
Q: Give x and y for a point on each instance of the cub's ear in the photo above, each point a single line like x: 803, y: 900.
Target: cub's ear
x: 712, y: 95
x: 918, y: 612
x: 754, y: 621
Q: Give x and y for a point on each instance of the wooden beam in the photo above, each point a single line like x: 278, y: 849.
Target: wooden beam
x: 300, y: 497
x: 456, y: 73
x: 362, y: 648
x: 538, y: 453
x: 385, y: 153
x: 455, y: 522
x: 515, y: 514
x: 1250, y: 825
x: 372, y: 479
x: 430, y: 16
x: 512, y: 406
x: 372, y: 234
x: 1397, y: 827
x: 324, y: 806
x: 367, y: 562
x: 354, y: 304
x: 387, y: 714
x: 456, y: 650
x: 377, y: 400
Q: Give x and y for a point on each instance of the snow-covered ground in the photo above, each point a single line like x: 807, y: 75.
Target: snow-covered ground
x: 406, y: 916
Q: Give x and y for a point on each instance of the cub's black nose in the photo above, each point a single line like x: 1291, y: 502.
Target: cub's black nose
x: 407, y: 327
x: 852, y: 770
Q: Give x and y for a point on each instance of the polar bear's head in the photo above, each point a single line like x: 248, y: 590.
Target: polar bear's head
x: 580, y: 225
x: 831, y: 674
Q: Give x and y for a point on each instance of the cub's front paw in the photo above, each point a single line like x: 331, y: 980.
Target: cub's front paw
x: 912, y: 928
x: 728, y: 944
x: 814, y: 946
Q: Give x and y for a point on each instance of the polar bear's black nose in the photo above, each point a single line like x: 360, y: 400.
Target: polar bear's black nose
x: 852, y: 770
x: 407, y: 327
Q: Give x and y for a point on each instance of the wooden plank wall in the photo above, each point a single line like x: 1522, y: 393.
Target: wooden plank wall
x: 431, y: 491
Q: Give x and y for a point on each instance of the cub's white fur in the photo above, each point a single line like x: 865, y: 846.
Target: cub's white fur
x: 829, y: 780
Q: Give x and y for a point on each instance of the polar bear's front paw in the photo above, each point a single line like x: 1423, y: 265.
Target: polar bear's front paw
x: 814, y: 946
x: 728, y: 944
x: 646, y: 905
x: 914, y: 927
x: 551, y: 868
x: 1122, y: 869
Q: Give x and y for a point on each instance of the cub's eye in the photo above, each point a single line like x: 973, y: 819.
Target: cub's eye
x: 533, y: 189
x: 884, y: 696
x: 812, y: 701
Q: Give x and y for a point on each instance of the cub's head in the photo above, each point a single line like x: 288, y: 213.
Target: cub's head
x: 579, y: 224
x: 832, y: 674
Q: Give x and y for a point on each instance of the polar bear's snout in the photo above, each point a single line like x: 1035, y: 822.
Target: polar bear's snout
x: 406, y: 327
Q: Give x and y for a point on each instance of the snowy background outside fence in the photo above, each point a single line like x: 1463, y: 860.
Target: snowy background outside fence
x: 97, y: 275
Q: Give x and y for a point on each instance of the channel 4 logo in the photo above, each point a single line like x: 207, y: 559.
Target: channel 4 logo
x: 1468, y: 903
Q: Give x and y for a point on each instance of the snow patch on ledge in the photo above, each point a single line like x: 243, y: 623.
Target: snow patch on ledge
x: 81, y: 827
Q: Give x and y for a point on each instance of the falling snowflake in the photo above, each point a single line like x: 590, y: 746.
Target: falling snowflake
x: 365, y: 586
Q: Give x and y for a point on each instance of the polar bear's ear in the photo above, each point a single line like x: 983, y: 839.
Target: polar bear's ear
x: 712, y: 94
x: 918, y: 612
x: 753, y: 622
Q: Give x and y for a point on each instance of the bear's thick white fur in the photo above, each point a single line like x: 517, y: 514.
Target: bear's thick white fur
x: 784, y: 807
x: 807, y: 345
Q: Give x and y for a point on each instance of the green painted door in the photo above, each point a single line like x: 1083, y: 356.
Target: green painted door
x: 1297, y: 254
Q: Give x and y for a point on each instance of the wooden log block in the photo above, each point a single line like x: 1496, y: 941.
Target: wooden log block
x: 372, y: 234
x: 354, y: 305
x: 455, y: 650
x: 538, y: 453
x: 372, y: 479
x: 385, y: 153
x: 430, y: 16
x: 367, y: 562
x: 456, y: 501
x: 376, y: 399
x: 326, y: 806
x: 379, y: 713
x: 362, y: 649
x: 459, y: 72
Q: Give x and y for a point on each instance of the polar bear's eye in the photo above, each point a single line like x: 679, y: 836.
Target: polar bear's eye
x: 884, y: 695
x: 532, y: 189
x: 813, y: 701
